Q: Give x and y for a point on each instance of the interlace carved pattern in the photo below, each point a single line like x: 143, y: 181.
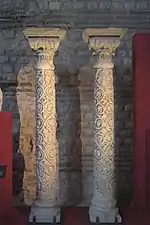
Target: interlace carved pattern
x: 104, y: 136
x: 46, y: 143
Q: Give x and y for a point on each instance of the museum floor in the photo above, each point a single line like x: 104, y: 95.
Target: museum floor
x: 75, y: 216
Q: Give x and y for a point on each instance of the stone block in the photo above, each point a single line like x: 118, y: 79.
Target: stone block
x: 7, y: 68
x: 9, y: 33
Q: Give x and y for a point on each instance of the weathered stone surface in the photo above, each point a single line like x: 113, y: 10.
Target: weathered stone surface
x: 26, y: 103
x: 68, y: 116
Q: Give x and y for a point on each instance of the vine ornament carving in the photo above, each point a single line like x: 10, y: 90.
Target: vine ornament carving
x: 103, y: 205
x: 45, y: 43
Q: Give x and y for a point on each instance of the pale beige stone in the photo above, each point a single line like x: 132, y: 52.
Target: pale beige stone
x: 103, y: 203
x: 46, y: 206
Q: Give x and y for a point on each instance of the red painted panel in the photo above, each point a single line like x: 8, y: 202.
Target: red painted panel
x: 141, y: 131
x: 6, y: 159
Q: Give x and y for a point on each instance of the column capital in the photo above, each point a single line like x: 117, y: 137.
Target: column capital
x: 45, y: 42
x: 105, y: 46
x: 103, y: 42
x: 44, y: 39
x: 33, y: 32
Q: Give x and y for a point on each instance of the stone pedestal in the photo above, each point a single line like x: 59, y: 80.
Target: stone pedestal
x: 103, y: 205
x: 45, y: 43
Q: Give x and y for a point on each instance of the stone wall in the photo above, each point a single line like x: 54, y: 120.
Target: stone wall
x: 74, y: 90
x: 68, y: 133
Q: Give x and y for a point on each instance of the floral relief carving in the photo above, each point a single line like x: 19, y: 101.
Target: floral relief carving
x: 44, y: 48
x: 103, y: 203
x: 47, y: 169
x: 46, y: 145
x: 46, y: 126
x: 104, y: 46
x: 104, y: 125
x: 44, y: 43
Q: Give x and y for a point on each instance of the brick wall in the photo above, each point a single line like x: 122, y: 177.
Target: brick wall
x: 74, y: 92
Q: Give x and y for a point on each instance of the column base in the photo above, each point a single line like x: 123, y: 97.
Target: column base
x: 44, y: 214
x: 100, y: 215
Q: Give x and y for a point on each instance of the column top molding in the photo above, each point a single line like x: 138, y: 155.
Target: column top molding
x: 98, y: 32
x: 34, y: 32
x: 44, y: 39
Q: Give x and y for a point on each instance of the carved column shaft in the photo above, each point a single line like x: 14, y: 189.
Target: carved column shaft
x: 46, y: 205
x: 46, y: 145
x: 103, y: 133
x: 103, y: 205
x: 104, y: 123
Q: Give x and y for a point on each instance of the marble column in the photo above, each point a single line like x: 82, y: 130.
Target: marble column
x: 103, y: 205
x: 45, y: 43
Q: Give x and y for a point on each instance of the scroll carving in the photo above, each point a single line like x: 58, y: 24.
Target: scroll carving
x: 103, y: 203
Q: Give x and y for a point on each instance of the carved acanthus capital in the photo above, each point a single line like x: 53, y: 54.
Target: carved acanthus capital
x: 44, y: 41
x: 106, y: 47
x: 44, y: 48
x: 103, y: 42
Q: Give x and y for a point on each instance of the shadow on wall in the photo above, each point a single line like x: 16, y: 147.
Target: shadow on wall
x: 68, y: 133
x: 75, y: 181
x: 67, y: 64
x: 123, y: 121
x: 86, y: 89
